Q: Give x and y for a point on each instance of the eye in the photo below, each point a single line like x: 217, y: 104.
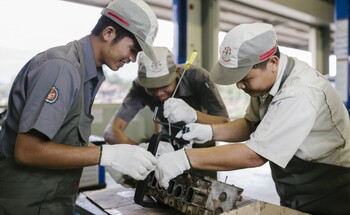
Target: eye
x: 134, y: 51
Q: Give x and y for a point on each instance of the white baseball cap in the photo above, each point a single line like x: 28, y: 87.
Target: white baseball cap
x: 243, y: 47
x: 159, y: 73
x: 138, y: 18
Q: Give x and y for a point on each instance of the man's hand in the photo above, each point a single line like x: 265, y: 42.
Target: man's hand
x: 176, y: 110
x: 196, y: 133
x: 163, y: 147
x: 128, y: 159
x: 170, y: 165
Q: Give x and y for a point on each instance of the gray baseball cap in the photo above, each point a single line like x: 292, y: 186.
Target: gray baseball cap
x: 159, y: 73
x: 138, y: 18
x: 243, y: 47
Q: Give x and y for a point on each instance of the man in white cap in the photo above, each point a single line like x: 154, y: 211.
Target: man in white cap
x: 295, y: 120
x: 44, y: 138
x: 196, y: 99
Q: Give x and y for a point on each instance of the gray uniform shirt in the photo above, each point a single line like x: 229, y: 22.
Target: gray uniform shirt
x: 44, y: 91
x: 196, y: 89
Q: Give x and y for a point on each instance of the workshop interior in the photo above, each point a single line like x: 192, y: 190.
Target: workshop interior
x: 314, y: 31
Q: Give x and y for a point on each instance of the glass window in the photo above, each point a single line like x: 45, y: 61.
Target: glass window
x: 30, y: 27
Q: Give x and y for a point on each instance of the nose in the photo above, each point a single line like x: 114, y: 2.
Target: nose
x: 157, y: 92
x: 132, y: 58
x: 240, y: 85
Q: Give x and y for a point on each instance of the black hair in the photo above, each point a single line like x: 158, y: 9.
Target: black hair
x: 262, y: 65
x: 104, y: 22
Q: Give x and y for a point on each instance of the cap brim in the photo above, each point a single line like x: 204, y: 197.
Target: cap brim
x: 148, y: 49
x: 159, y: 81
x: 225, y: 76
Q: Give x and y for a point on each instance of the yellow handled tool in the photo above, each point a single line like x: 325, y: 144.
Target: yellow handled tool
x: 190, y: 60
x: 186, y: 67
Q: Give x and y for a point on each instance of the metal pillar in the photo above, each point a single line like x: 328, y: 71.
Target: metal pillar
x: 180, y: 31
x: 341, y: 49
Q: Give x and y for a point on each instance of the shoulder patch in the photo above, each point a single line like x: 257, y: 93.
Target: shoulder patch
x: 52, y: 97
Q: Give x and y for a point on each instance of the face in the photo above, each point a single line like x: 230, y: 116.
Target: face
x: 116, y: 54
x: 259, y: 81
x: 162, y: 93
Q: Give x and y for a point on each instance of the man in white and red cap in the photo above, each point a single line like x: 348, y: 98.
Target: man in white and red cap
x: 295, y: 120
x: 44, y: 138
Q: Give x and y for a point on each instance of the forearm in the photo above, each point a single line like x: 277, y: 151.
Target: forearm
x: 223, y: 158
x: 33, y: 151
x: 204, y: 118
x: 117, y: 137
x: 238, y: 130
x: 114, y: 132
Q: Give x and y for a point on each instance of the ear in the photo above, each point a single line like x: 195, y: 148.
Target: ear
x: 109, y: 33
x: 274, y: 61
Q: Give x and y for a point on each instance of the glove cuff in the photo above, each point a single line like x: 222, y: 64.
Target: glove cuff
x: 195, y: 116
x: 212, y: 132
x: 185, y: 159
x: 188, y: 159
x: 99, y: 160
x: 105, y: 158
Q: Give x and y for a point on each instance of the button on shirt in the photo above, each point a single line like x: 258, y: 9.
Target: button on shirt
x: 306, y: 118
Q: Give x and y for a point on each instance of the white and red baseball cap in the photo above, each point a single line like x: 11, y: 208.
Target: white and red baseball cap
x: 243, y: 47
x: 158, y: 73
x: 138, y: 18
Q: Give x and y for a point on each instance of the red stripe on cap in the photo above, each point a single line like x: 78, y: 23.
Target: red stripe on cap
x: 267, y: 54
x: 120, y: 19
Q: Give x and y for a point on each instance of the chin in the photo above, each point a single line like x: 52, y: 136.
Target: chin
x: 162, y: 99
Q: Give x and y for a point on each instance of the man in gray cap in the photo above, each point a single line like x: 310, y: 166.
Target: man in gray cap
x: 44, y: 138
x: 155, y: 85
x: 196, y: 100
x: 295, y: 120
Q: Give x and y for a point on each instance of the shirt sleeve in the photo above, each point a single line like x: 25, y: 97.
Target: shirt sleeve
x: 283, y: 129
x: 206, y: 91
x: 252, y: 112
x: 133, y: 102
x: 51, y: 90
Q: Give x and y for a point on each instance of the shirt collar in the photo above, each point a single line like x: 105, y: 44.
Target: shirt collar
x: 89, y: 60
x: 281, y: 67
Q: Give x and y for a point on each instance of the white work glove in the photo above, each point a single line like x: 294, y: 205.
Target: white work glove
x: 143, y: 145
x: 170, y: 165
x: 163, y: 147
x: 128, y: 159
x: 198, y: 133
x: 117, y: 176
x: 176, y: 110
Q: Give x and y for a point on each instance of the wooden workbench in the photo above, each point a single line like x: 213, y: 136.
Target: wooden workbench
x: 119, y: 201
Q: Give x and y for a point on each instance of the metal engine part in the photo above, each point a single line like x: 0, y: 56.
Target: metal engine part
x: 194, y: 194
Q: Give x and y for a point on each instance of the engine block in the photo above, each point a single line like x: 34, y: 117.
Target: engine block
x: 194, y: 194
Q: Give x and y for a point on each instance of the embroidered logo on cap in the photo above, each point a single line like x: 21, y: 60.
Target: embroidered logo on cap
x: 52, y: 97
x: 226, y: 54
x: 156, y: 66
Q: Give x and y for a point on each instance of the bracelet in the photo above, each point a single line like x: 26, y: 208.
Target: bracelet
x: 99, y: 161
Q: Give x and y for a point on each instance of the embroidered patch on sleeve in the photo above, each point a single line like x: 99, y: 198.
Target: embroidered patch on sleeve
x: 52, y: 97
